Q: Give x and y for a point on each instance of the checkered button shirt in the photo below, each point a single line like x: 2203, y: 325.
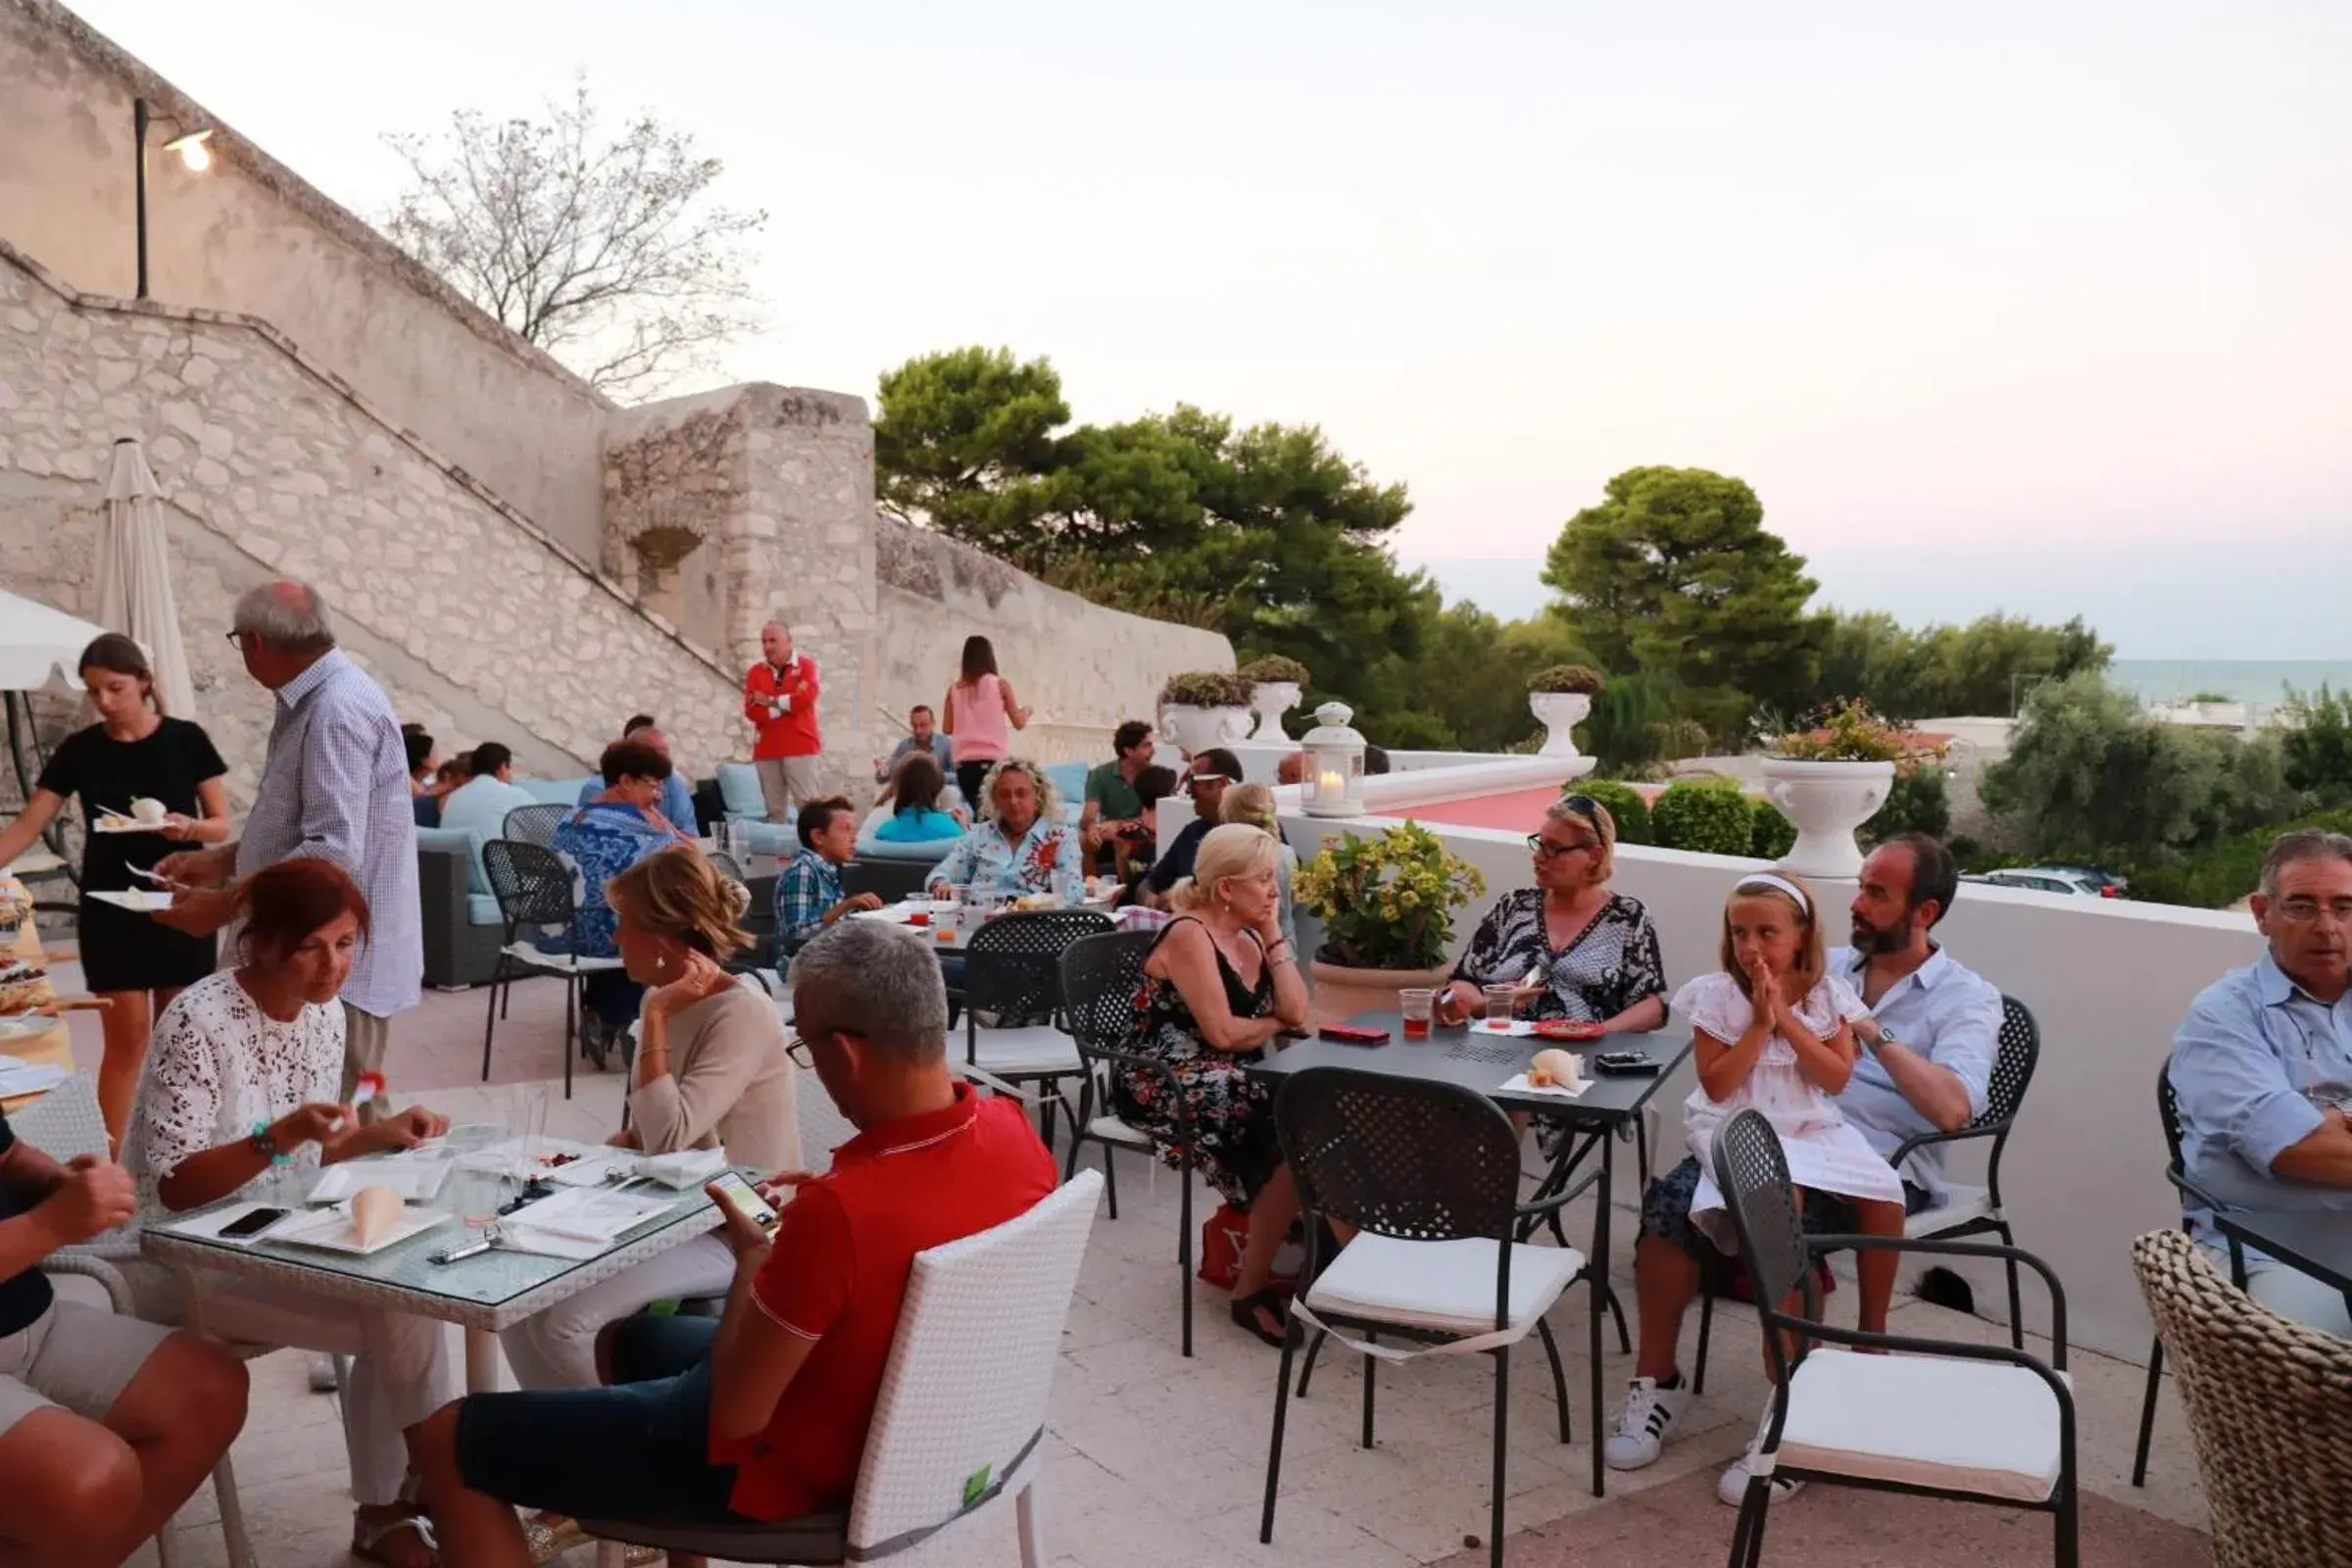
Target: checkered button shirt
x: 335, y: 784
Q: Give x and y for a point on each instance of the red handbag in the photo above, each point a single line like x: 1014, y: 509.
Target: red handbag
x: 1223, y: 1236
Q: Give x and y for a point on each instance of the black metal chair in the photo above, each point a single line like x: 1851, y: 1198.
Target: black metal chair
x: 1889, y: 1422
x: 1967, y: 1211
x: 535, y: 824
x: 2168, y: 1113
x: 1427, y: 1174
x: 1013, y: 974
x: 534, y: 888
x: 1100, y: 978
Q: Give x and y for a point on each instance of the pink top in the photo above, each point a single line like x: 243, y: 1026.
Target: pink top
x: 983, y: 731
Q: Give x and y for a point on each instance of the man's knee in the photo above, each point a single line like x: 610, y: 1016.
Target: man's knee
x: 62, y: 1478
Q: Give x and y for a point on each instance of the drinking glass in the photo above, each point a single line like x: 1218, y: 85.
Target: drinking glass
x: 943, y: 918
x: 1416, y: 1004
x: 1501, y: 1002
x: 476, y: 1191
x: 524, y: 1119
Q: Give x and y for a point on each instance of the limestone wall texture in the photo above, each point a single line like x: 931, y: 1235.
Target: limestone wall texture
x: 1083, y: 669
x: 477, y: 624
x: 251, y: 236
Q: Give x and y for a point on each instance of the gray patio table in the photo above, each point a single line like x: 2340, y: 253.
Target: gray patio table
x: 482, y: 1294
x: 2317, y: 1242
x: 1482, y: 1061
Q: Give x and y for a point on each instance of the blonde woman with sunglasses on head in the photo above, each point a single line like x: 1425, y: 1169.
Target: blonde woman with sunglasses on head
x: 1576, y: 951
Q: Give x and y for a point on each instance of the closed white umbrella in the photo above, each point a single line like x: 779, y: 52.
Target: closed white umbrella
x: 135, y: 577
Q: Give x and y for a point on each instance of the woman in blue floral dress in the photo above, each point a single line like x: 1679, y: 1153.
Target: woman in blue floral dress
x: 1221, y: 984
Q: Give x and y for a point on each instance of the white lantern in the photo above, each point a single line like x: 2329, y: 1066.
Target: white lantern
x: 1335, y: 764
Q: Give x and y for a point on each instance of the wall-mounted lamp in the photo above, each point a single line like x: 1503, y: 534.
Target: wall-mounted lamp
x: 194, y: 154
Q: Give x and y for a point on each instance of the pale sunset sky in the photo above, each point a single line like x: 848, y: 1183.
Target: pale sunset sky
x: 2044, y: 308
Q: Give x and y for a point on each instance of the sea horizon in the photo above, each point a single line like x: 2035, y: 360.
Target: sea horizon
x: 2239, y: 681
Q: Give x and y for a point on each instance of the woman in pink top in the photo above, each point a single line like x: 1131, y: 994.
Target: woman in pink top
x: 979, y: 717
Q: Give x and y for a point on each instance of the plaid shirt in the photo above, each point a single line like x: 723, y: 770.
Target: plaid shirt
x: 335, y: 785
x: 808, y: 887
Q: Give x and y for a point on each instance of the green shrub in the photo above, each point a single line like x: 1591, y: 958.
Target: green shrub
x: 1274, y: 669
x: 1207, y: 688
x: 1624, y: 803
x: 1710, y: 816
x: 1917, y: 803
x: 1407, y: 730
x: 2220, y: 874
x: 1773, y: 835
x: 1578, y: 678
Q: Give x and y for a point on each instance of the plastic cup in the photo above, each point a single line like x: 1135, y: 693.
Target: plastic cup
x: 1501, y: 1002
x: 943, y: 918
x: 1416, y: 1005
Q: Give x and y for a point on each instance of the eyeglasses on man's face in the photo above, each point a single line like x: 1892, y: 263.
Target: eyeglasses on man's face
x: 2303, y: 910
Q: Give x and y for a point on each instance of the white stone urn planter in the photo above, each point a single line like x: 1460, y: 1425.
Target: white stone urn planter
x: 1269, y: 701
x: 1559, y: 713
x: 1197, y: 729
x: 1826, y: 802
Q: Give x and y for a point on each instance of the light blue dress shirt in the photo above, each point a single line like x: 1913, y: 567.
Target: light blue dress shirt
x: 1940, y: 1010
x: 2252, y: 1045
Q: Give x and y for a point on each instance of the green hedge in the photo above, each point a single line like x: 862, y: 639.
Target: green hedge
x: 2220, y: 874
x: 1773, y: 835
x: 1709, y: 816
x: 1917, y: 803
x: 1624, y: 803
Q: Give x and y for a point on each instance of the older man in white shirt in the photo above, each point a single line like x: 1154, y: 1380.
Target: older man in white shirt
x: 1927, y: 1050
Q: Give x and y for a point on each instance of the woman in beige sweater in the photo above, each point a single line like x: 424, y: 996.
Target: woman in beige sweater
x: 710, y: 1072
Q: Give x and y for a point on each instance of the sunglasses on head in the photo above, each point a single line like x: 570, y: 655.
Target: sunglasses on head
x: 1584, y: 806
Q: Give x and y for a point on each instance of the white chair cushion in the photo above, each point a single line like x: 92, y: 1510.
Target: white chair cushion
x: 1445, y: 1285
x: 1112, y: 1130
x: 1925, y: 1421
x: 1032, y: 1048
x: 1960, y: 1206
x: 558, y: 963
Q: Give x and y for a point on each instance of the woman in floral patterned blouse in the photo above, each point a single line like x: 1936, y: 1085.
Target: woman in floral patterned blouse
x: 1020, y: 846
x: 1577, y: 951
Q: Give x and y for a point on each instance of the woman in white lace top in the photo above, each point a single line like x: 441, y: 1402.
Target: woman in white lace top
x: 242, y: 1080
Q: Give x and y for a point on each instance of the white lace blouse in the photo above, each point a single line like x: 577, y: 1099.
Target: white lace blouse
x: 216, y: 1067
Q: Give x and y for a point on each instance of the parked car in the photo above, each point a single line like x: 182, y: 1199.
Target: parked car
x: 2079, y: 880
x: 2097, y: 877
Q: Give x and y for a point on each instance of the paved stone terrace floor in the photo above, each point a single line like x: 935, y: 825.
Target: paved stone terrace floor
x: 1155, y: 1461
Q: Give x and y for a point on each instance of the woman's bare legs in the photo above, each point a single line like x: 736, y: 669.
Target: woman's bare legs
x: 1271, y: 1213
x: 126, y: 1023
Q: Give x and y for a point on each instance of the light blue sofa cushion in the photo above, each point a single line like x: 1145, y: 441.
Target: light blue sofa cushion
x: 479, y: 809
x: 926, y: 853
x: 739, y: 790
x: 482, y: 909
x: 556, y: 791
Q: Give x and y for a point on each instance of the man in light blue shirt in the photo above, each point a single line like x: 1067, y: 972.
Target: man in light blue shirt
x: 1934, y: 1027
x: 2262, y: 1069
x: 480, y: 804
x: 677, y: 795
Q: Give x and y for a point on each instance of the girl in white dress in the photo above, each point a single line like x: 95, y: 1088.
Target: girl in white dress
x: 1773, y: 1033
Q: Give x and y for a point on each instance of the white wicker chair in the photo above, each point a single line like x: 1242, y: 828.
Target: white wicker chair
x: 66, y: 1122
x: 963, y: 1408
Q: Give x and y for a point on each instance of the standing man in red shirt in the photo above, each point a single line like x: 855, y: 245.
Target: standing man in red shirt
x: 779, y: 697
x: 764, y: 1414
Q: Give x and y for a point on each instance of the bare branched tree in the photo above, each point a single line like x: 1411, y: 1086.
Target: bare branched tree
x: 606, y: 252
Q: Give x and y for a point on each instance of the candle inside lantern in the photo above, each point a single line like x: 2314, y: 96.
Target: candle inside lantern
x: 1330, y: 785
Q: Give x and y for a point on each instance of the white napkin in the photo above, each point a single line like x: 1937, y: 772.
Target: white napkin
x: 1518, y: 1084
x: 685, y: 1168
x: 416, y: 1174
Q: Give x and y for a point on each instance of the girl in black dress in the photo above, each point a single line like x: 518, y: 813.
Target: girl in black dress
x: 133, y: 753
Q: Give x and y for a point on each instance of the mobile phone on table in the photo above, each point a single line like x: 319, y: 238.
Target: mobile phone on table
x: 253, y: 1224
x: 1348, y: 1034
x: 741, y: 1196
x: 1626, y: 1061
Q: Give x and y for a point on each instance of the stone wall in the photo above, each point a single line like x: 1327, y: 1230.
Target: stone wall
x: 250, y: 236
x: 478, y: 625
x: 1081, y: 667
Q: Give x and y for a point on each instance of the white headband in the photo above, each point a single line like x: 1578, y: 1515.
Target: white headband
x: 1778, y: 884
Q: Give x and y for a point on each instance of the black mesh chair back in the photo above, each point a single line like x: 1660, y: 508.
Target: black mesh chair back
x: 1101, y: 976
x: 1419, y: 1161
x: 2167, y: 1110
x: 532, y: 884
x: 887, y: 880
x: 2013, y: 1068
x: 724, y: 864
x: 1013, y: 964
x: 1753, y: 1175
x: 535, y: 824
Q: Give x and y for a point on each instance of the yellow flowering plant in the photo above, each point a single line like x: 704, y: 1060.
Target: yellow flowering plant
x: 1387, y: 902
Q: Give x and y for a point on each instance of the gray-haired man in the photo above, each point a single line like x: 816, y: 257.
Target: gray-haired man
x: 335, y: 785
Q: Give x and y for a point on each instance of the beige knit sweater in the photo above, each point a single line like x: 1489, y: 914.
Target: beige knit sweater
x: 729, y: 1084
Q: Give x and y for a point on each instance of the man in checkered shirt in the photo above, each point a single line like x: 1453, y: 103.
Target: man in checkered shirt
x: 335, y: 785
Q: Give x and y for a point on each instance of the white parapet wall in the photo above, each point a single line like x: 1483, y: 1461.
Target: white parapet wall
x: 2108, y: 982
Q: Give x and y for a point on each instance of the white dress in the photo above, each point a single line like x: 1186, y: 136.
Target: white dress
x: 1824, y: 1153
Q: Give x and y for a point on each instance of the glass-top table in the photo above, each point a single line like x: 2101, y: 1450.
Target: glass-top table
x: 482, y: 1293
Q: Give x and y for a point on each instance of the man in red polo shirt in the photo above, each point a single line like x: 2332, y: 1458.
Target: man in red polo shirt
x: 764, y: 1415
x: 779, y: 697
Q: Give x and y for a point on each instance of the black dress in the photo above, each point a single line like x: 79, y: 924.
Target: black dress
x: 121, y: 949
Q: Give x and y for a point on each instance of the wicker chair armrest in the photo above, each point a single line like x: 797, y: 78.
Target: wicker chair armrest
x: 109, y: 1278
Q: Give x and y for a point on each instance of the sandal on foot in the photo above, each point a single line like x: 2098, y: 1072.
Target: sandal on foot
x: 367, y: 1541
x: 551, y: 1538
x: 1244, y: 1313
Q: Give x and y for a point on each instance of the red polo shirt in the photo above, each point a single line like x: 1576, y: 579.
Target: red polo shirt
x: 792, y: 734
x: 838, y: 1275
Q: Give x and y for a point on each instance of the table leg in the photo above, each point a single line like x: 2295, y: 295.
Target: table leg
x: 481, y: 1361
x: 1597, y: 1266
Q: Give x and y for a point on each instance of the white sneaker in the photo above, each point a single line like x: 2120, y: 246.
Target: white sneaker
x: 1649, y: 1414
x: 1732, y: 1488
